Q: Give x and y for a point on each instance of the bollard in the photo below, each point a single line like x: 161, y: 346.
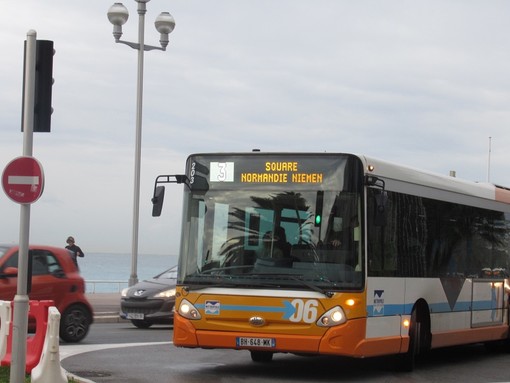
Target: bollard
x: 49, y: 369
x: 39, y: 311
x: 5, y: 320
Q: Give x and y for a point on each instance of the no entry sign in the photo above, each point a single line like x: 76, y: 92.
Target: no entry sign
x: 23, y: 180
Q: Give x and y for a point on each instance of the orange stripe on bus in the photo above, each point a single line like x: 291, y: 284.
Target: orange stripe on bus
x: 350, y: 340
x: 474, y: 335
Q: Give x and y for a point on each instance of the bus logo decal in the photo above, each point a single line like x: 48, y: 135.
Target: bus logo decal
x: 212, y: 307
x: 378, y: 303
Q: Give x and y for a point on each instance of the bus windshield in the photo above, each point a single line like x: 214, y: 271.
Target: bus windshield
x: 257, y: 221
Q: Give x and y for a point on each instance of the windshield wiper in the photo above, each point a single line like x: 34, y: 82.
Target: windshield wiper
x: 213, y: 278
x: 197, y: 286
x: 220, y: 269
x: 326, y: 293
x: 299, y: 278
x: 229, y: 283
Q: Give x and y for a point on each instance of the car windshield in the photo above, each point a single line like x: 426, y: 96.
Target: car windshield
x: 168, y: 274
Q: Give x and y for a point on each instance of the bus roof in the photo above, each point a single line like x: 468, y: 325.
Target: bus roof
x: 438, y: 181
x: 402, y: 175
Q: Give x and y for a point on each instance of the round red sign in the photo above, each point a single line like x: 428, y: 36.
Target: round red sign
x: 23, y: 180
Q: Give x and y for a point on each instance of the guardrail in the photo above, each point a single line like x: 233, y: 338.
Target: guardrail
x: 102, y: 286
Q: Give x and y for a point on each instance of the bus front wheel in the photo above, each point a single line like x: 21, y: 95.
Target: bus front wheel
x: 261, y: 356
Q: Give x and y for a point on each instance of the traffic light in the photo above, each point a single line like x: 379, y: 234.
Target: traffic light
x: 318, y: 207
x: 43, y: 85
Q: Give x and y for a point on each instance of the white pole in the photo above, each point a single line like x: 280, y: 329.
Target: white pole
x: 20, y: 319
x: 165, y: 23
x: 133, y: 279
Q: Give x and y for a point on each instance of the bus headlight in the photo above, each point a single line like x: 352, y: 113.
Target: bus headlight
x: 187, y: 310
x: 332, y: 317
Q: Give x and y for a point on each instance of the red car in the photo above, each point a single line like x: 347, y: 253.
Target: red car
x: 54, y: 277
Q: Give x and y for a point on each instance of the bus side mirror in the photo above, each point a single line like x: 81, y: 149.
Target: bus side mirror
x: 157, y: 200
x: 381, y: 200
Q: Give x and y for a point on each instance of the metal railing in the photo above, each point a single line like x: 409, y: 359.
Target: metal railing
x: 104, y: 286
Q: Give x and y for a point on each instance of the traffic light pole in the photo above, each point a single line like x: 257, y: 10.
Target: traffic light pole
x: 21, y: 302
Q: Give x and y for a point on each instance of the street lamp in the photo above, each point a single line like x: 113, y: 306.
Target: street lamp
x: 165, y: 24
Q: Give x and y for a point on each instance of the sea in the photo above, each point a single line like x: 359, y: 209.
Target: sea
x: 109, y: 273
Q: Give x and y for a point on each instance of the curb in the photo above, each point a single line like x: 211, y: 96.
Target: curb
x: 76, y: 378
x: 111, y: 317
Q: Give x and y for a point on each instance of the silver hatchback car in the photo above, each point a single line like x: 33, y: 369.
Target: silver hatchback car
x: 150, y: 301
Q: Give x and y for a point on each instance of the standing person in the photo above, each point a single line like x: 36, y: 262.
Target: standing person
x: 75, y: 250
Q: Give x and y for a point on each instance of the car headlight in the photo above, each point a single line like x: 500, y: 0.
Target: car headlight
x: 124, y: 292
x: 166, y: 294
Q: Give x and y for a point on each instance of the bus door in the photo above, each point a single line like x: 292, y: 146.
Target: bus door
x: 488, y: 301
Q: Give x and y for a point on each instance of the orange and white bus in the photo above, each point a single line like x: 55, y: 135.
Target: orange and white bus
x: 337, y: 254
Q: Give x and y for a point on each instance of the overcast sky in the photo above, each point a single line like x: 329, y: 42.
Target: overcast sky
x: 421, y: 83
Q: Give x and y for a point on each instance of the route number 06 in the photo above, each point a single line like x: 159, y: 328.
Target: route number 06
x: 305, y: 311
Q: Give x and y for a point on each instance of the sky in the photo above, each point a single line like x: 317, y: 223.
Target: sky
x: 425, y: 84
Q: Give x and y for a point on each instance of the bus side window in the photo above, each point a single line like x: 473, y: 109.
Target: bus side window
x: 382, y: 253
x: 380, y: 214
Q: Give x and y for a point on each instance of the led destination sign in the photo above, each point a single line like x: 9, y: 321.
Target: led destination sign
x: 230, y: 171
x: 281, y: 172
x: 270, y: 172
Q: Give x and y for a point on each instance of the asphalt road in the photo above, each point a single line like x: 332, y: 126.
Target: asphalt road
x: 118, y: 352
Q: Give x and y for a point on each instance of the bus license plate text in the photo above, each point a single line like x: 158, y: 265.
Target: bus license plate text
x: 256, y: 342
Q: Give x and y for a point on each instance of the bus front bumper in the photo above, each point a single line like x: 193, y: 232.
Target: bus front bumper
x: 347, y: 339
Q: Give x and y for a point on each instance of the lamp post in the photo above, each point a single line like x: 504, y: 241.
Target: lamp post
x: 165, y: 24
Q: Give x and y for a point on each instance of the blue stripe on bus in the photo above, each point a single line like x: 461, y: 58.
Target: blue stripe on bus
x: 288, y: 309
x: 444, y: 307
x: 373, y: 311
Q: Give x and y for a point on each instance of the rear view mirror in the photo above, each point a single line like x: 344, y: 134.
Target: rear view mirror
x: 9, y: 272
x: 157, y: 200
x: 159, y: 191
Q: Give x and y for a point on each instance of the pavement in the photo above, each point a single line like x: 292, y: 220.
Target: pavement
x: 106, y: 307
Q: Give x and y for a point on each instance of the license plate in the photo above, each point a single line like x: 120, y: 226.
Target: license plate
x: 256, y: 342
x: 135, y: 316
